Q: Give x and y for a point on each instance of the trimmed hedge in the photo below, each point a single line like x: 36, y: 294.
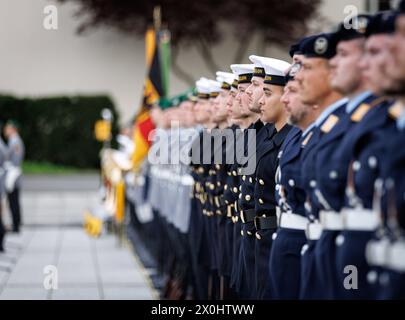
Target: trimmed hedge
x: 59, y: 130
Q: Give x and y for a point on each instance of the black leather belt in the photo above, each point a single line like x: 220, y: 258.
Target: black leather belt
x: 247, y: 215
x: 265, y: 223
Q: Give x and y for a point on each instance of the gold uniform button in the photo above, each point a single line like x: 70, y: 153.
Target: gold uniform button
x: 218, y: 184
x: 261, y: 182
x: 234, y: 173
x: 247, y: 197
x: 240, y: 196
x: 235, y: 189
x: 258, y: 236
x: 226, y: 187
x: 236, y: 219
x: 261, y: 201
x: 241, y: 233
x: 243, y: 177
x: 250, y: 180
x: 240, y: 188
x: 217, y: 166
x: 212, y: 187
x: 249, y: 233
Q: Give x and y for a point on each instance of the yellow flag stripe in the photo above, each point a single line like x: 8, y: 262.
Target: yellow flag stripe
x: 150, y: 40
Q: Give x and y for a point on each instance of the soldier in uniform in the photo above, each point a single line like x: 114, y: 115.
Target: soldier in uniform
x: 197, y: 233
x: 16, y: 151
x: 253, y: 136
x: 243, y: 74
x: 231, y: 188
x: 285, y: 258
x: 331, y: 176
x: 385, y: 252
x: 265, y: 220
x: 314, y: 87
x: 221, y: 168
x: 211, y: 191
x: 3, y: 157
x: 356, y: 219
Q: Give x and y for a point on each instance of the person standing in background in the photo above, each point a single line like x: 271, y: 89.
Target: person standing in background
x: 16, y: 151
x: 3, y: 157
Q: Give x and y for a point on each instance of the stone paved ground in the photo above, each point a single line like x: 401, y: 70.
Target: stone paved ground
x: 52, y: 235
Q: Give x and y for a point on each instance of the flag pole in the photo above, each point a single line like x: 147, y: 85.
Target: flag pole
x: 157, y: 18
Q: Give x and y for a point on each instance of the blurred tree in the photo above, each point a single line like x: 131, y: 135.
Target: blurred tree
x: 201, y: 23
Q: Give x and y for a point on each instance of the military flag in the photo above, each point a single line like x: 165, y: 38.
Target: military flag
x: 155, y: 88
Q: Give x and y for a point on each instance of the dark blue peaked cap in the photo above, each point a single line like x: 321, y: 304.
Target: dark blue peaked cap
x: 296, y: 47
x: 382, y: 22
x: 322, y: 45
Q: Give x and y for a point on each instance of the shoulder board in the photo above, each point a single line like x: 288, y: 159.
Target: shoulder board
x: 307, y: 138
x: 329, y: 123
x: 395, y: 110
x: 377, y: 101
x: 360, y: 112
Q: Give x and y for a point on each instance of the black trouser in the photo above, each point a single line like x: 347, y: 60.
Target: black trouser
x: 14, y: 203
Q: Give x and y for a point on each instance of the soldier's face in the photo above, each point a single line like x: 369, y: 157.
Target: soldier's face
x: 271, y: 108
x: 396, y: 67
x: 229, y: 102
x: 201, y: 110
x: 212, y: 106
x: 243, y: 99
x: 345, y: 71
x: 296, y: 111
x: 314, y: 80
x: 374, y: 61
x: 220, y: 109
x: 254, y: 92
x: 186, y: 108
x: 236, y: 111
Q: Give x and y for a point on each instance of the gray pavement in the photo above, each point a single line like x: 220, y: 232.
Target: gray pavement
x: 81, y: 267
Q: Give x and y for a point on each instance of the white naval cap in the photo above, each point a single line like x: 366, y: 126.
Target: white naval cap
x: 243, y: 71
x: 259, y: 67
x: 226, y: 78
x: 215, y: 88
x: 275, y: 70
x: 203, y: 88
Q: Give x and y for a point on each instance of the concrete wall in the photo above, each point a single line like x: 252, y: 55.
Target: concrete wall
x: 39, y: 62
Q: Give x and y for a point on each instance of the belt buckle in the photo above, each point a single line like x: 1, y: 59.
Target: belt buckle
x: 229, y: 210
x: 279, y: 213
x: 216, y: 200
x: 257, y: 223
x: 242, y: 216
x: 307, y: 230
